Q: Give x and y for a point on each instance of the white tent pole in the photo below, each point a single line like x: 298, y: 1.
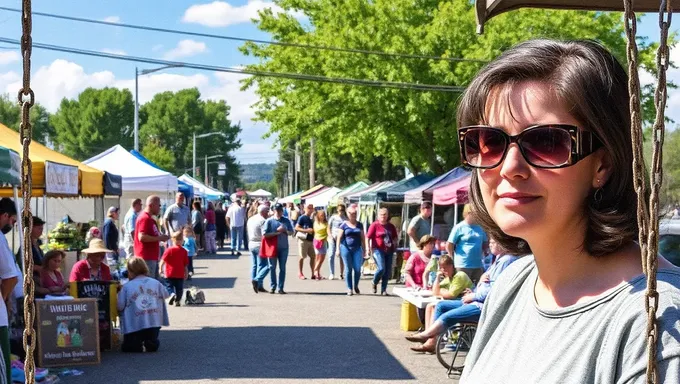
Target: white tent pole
x: 455, y: 214
x: 432, y: 222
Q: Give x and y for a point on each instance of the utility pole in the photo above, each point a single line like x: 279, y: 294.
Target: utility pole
x: 312, y: 165
x: 205, y: 171
x: 136, y: 110
x: 290, y: 179
x: 297, y: 166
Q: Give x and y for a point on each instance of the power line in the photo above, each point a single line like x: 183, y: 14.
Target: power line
x: 242, y: 39
x: 293, y: 76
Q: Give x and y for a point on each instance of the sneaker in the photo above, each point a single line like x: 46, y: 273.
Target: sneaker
x: 177, y: 303
x: 375, y: 288
x: 260, y: 289
x: 384, y: 293
x: 282, y: 292
x: 272, y: 291
x: 172, y: 299
x: 255, y: 286
x: 331, y: 277
x: 350, y: 293
x: 357, y: 291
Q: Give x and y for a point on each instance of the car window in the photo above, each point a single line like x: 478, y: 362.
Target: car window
x: 669, y: 247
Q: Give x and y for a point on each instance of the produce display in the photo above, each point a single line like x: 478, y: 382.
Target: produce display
x: 66, y: 237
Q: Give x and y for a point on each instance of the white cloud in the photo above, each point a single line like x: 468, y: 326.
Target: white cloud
x: 7, y: 57
x: 222, y: 14
x: 112, y: 19
x: 114, y: 51
x: 157, y: 48
x: 185, y: 48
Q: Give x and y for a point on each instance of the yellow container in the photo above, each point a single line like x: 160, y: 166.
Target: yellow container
x: 409, y: 317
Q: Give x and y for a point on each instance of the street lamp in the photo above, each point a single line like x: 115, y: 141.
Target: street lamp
x: 137, y: 73
x: 194, y: 149
x: 205, y: 172
x: 290, y: 178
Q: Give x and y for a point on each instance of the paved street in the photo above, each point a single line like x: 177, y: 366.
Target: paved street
x: 313, y: 333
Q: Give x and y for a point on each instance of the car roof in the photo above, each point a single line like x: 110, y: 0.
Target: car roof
x: 669, y: 227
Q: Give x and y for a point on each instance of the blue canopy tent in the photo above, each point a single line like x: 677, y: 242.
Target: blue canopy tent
x: 186, y: 189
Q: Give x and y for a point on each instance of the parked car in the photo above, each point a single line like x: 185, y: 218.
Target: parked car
x: 669, y: 240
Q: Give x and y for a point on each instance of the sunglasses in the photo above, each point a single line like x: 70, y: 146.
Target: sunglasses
x: 542, y: 146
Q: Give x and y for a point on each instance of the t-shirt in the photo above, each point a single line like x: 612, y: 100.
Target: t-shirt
x: 7, y: 271
x: 236, y: 215
x: 320, y: 231
x: 210, y: 220
x: 81, y: 271
x: 141, y: 302
x: 352, y: 235
x: 468, y: 240
x: 272, y: 224
x: 176, y: 260
x: 189, y: 245
x: 129, y: 221
x: 384, y: 237
x: 335, y: 222
x: 415, y: 267
x: 457, y: 284
x: 602, y: 340
x: 147, y: 225
x: 177, y: 217
x: 422, y: 226
x: 305, y: 222
x: 255, y: 231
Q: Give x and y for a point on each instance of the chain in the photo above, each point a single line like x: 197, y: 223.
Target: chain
x: 26, y: 99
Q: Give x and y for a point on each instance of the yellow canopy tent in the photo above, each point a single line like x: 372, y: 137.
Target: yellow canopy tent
x: 90, y: 180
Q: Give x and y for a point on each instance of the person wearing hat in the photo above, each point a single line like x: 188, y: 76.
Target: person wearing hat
x: 110, y: 232
x: 93, y: 266
x: 468, y: 243
x: 420, y: 225
x: 280, y: 226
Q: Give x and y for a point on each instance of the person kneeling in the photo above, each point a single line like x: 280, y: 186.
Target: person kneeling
x: 141, y: 303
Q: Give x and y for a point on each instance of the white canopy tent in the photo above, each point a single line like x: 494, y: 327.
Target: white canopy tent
x: 139, y: 178
x: 260, y: 193
x: 321, y: 200
x: 201, y: 189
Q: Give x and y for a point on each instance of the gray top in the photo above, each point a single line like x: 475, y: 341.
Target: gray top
x: 422, y: 226
x: 142, y: 302
x: 177, y: 216
x: 601, y: 341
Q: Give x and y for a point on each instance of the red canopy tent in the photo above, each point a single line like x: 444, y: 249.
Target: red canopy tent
x: 454, y: 193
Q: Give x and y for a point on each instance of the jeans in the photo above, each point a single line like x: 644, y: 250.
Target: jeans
x: 354, y: 259
x: 331, y: 255
x: 262, y: 267
x: 244, y: 238
x: 177, y: 287
x: 254, y: 262
x: 280, y: 259
x: 191, y: 264
x: 153, y: 268
x: 210, y: 242
x: 452, y: 312
x: 236, y: 238
x: 383, y: 260
x: 148, y: 337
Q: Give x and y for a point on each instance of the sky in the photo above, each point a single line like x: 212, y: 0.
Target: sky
x: 57, y: 75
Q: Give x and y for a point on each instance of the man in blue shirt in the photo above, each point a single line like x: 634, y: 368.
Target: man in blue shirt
x: 280, y: 226
x: 129, y: 226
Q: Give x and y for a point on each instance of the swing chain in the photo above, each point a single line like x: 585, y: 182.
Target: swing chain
x: 26, y: 99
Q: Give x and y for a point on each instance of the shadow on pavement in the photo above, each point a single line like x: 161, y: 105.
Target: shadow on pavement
x: 318, y: 293
x: 264, y: 353
x: 211, y: 282
x: 223, y: 256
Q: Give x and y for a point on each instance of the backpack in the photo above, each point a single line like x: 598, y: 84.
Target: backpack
x: 194, y: 296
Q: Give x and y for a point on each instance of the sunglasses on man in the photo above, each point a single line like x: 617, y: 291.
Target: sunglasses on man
x: 546, y: 146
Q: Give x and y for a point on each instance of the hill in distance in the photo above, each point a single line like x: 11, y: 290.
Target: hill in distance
x: 252, y: 173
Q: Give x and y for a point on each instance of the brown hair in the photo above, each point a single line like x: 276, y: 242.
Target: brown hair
x: 320, y: 213
x: 51, y: 255
x: 137, y: 265
x: 425, y: 240
x: 445, y: 260
x: 592, y: 85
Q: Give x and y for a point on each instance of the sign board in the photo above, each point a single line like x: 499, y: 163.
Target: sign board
x: 105, y: 294
x: 61, y: 179
x: 222, y: 166
x: 221, y: 172
x: 67, y: 332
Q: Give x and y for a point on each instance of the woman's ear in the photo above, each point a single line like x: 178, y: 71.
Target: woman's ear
x: 603, y: 168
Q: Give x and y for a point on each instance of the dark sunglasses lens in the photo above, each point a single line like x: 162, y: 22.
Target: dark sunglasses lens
x: 484, y: 147
x: 546, y: 147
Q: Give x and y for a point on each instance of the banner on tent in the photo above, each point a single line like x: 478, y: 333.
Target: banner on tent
x: 61, y: 179
x: 113, y: 184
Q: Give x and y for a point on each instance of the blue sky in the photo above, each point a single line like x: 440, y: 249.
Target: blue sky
x: 57, y: 75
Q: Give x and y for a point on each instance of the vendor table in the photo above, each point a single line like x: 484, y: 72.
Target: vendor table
x: 418, y: 298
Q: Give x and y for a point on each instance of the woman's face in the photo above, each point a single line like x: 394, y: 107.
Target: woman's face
x: 494, y: 248
x: 445, y: 269
x: 54, y: 263
x: 352, y: 214
x: 428, y: 248
x: 525, y: 201
x: 95, y: 259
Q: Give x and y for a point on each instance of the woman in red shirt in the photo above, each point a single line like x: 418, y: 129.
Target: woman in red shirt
x: 174, y: 266
x: 210, y: 229
x: 51, y: 280
x: 416, y: 265
x: 381, y: 242
x: 93, y: 267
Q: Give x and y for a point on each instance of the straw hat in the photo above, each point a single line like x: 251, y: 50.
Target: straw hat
x: 96, y: 246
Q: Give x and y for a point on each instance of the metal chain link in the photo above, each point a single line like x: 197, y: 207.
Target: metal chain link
x: 26, y: 99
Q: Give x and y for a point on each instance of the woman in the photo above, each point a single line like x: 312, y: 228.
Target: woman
x: 51, y: 280
x: 320, y: 242
x: 220, y: 225
x: 349, y: 247
x: 141, y: 303
x: 381, y: 242
x: 210, y: 229
x: 554, y: 179
x: 197, y: 224
x: 93, y: 266
x: 415, y: 271
x: 333, y: 232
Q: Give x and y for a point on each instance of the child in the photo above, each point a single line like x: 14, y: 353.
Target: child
x: 190, y: 245
x: 175, y: 260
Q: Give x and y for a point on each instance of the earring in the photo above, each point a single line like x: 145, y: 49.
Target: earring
x: 597, y: 197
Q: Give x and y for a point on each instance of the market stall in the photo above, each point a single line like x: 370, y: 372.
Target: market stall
x: 355, y: 197
x: 321, y: 200
x: 419, y: 194
x: 184, y: 188
x: 201, y: 190
x: 260, y: 194
x: 297, y: 198
x: 338, y: 198
x: 451, y: 194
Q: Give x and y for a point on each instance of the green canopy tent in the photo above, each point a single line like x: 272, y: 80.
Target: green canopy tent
x: 10, y: 168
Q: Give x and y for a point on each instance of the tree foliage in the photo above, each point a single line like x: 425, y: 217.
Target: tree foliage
x: 96, y: 121
x: 168, y: 123
x: 10, y: 116
x: 406, y: 127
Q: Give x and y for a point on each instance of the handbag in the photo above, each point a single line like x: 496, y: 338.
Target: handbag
x: 301, y: 235
x: 318, y: 244
x: 268, y: 246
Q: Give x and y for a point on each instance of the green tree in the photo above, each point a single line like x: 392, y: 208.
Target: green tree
x: 159, y: 155
x: 97, y: 120
x: 168, y: 123
x: 406, y: 127
x: 10, y: 116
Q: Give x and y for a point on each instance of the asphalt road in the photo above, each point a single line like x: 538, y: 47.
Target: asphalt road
x: 314, y: 334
